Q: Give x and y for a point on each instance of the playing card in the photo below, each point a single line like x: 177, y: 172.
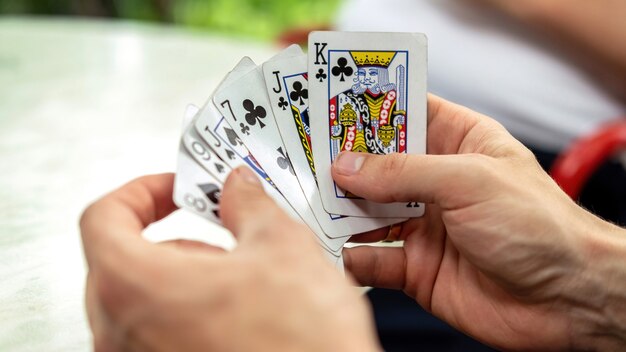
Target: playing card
x: 209, y: 116
x: 235, y: 154
x: 211, y: 127
x: 287, y: 87
x: 367, y: 94
x: 245, y: 106
x: 194, y: 188
x: 220, y: 136
x: 204, y: 155
x: 200, y: 192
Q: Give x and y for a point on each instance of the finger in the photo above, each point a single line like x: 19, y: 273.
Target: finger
x: 370, y: 236
x: 383, y: 234
x: 191, y: 245
x: 405, y: 177
x: 249, y: 213
x: 454, y: 129
x: 113, y: 224
x: 383, y: 267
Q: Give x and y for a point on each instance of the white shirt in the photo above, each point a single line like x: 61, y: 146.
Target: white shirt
x: 479, y: 59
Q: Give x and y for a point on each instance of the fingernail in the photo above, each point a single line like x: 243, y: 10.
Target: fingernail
x: 248, y: 175
x: 348, y: 163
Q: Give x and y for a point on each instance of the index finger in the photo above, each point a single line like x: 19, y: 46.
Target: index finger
x: 253, y: 217
x: 113, y: 224
x: 456, y: 129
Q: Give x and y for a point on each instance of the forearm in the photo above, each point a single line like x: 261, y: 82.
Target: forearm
x: 593, y: 31
x: 598, y: 297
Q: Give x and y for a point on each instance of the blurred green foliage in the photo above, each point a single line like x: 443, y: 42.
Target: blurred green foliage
x: 52, y: 7
x: 264, y: 19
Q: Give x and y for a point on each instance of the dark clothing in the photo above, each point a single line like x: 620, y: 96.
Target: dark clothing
x: 604, y: 194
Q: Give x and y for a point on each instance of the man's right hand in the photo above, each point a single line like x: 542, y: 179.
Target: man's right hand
x: 501, y: 253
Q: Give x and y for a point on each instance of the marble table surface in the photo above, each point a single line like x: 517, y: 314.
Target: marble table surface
x: 84, y: 107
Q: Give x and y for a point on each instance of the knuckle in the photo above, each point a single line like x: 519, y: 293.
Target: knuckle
x: 485, y: 170
x: 87, y: 216
x: 393, y: 164
x: 89, y: 225
x: 526, y: 154
x: 480, y: 166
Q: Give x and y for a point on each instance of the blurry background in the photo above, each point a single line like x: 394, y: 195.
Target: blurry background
x: 254, y: 18
x: 92, y: 93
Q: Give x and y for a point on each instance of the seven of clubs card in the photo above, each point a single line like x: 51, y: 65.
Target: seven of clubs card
x: 289, y: 119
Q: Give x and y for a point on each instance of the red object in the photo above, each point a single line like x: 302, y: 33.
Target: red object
x: 575, y: 165
x: 298, y: 35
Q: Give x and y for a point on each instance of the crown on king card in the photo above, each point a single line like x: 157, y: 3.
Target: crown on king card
x: 372, y: 58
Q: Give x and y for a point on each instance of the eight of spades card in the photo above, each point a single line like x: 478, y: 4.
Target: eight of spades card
x: 194, y: 188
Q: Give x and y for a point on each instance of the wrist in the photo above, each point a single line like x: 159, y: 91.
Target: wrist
x: 596, y: 300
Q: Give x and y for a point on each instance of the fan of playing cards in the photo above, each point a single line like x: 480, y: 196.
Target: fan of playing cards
x: 290, y: 117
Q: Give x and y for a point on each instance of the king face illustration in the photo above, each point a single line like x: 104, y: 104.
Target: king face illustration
x: 371, y: 116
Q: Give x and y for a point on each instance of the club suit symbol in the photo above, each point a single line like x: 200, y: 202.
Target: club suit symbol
x: 254, y: 113
x: 282, y: 103
x: 245, y: 129
x: 284, y: 162
x: 298, y: 93
x: 321, y: 75
x: 342, y: 69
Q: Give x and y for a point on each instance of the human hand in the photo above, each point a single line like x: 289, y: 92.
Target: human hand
x: 274, y: 292
x: 501, y: 252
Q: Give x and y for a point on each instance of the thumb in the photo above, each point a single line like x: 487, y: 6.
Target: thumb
x: 408, y: 177
x: 248, y: 212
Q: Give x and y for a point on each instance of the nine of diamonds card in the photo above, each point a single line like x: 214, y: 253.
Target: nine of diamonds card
x: 367, y: 95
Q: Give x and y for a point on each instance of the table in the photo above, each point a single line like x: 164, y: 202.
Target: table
x: 86, y: 105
